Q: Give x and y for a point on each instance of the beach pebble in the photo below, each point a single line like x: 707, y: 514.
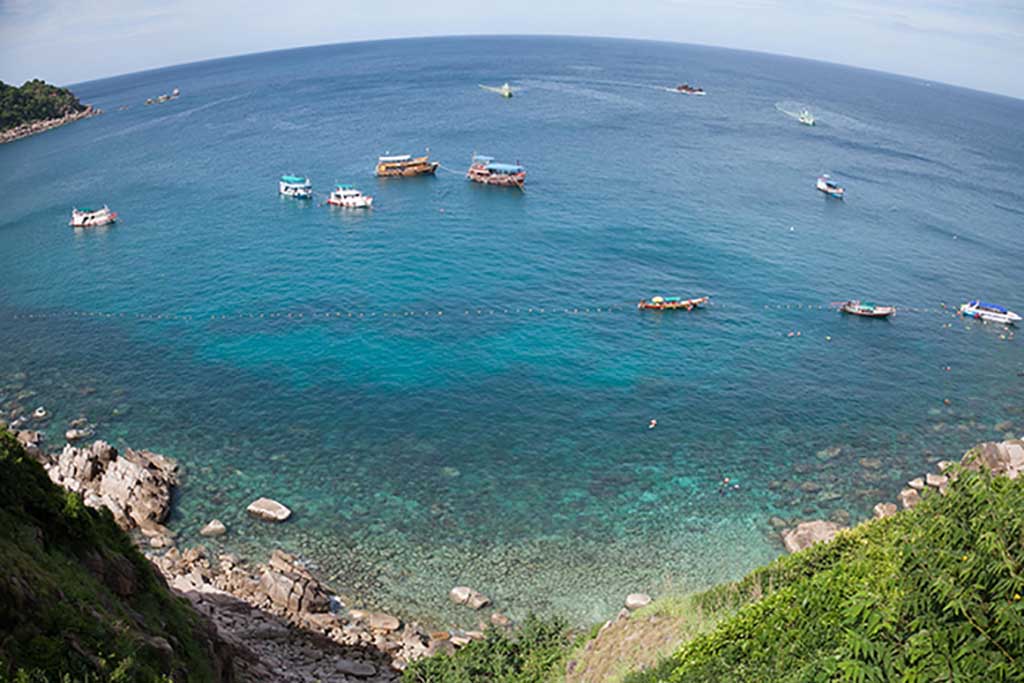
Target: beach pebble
x: 214, y: 528
x: 635, y: 601
x: 269, y: 510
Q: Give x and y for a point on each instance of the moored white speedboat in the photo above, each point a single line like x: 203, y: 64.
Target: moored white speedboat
x: 349, y: 197
x: 806, y: 118
x: 296, y: 186
x: 92, y: 218
x: 993, y: 313
x: 830, y: 187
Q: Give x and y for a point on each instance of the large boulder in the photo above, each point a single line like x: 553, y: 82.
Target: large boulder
x: 290, y: 587
x: 635, y: 601
x: 269, y: 510
x: 806, y: 534
x: 464, y: 595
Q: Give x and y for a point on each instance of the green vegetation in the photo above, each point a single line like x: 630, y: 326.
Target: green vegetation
x: 34, y: 101
x: 533, y: 653
x: 932, y: 594
x: 78, y: 602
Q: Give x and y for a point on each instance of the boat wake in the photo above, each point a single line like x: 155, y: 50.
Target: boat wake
x: 791, y: 109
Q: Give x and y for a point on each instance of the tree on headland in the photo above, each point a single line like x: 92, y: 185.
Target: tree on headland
x: 36, y: 100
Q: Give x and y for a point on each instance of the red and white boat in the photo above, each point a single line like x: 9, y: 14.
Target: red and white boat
x: 92, y: 218
x: 490, y: 172
x: 349, y: 197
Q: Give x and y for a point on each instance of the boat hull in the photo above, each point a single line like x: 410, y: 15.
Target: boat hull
x: 499, y: 179
x: 362, y: 203
x: 1008, y: 318
x: 881, y: 312
x: 687, y: 305
x: 96, y: 223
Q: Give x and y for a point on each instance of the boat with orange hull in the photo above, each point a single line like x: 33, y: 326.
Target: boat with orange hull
x: 490, y: 172
x: 405, y: 165
x: 671, y: 303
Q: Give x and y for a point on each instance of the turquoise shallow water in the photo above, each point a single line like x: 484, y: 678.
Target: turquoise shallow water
x: 493, y: 444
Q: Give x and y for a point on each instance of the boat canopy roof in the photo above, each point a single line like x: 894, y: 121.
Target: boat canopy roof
x: 992, y: 307
x: 497, y: 167
x: 345, y: 187
x: 673, y: 299
x: 293, y: 179
x: 398, y: 157
x: 481, y: 159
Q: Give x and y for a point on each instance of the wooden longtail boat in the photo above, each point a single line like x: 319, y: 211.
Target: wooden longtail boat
x: 671, y: 303
x: 405, y: 165
x: 490, y: 172
x: 866, y: 309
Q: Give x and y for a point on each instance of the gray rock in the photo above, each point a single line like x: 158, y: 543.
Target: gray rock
x: 884, y: 510
x: 807, y: 534
x: 269, y: 510
x: 213, y: 529
x: 384, y: 622
x: 917, y: 484
x: 635, y: 601
x: 936, y: 480
x: 463, y: 595
x: 909, y: 498
x: 351, y: 667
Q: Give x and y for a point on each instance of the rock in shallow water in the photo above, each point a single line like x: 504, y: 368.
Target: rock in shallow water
x: 884, y: 510
x: 214, y: 528
x: 635, y: 601
x: 269, y: 510
x: 807, y: 534
x: 464, y: 595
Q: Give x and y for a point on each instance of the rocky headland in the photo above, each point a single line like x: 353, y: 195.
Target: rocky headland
x: 24, y: 130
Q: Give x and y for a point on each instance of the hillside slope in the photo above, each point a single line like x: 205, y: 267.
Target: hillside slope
x: 76, y: 596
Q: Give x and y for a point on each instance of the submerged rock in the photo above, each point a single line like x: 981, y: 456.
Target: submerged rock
x: 214, y: 528
x: 464, y: 595
x: 635, y: 601
x: 269, y: 510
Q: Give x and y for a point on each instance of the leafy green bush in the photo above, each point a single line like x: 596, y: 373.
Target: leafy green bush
x: 530, y: 654
x: 932, y: 594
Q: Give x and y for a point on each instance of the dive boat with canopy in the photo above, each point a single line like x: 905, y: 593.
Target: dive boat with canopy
x: 295, y: 186
x: 92, y: 218
x: 349, y: 197
x: 490, y: 172
x: 866, y: 309
x: 671, y: 303
x: 830, y: 187
x: 405, y: 165
x: 994, y: 313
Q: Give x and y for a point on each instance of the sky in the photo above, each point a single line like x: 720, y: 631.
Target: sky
x: 974, y: 43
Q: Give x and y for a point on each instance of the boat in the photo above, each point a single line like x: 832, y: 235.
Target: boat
x: 830, y: 187
x: 806, y: 118
x: 296, y: 186
x: 989, y: 312
x: 687, y: 89
x: 490, y: 172
x: 866, y: 309
x: 405, y: 165
x: 349, y: 197
x: 505, y: 90
x: 92, y: 218
x: 671, y: 303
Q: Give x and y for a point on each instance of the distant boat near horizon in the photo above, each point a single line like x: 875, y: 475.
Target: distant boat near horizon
x: 92, y: 218
x: 505, y: 90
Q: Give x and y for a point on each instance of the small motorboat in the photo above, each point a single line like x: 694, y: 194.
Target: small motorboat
x: 671, y: 303
x: 296, y: 186
x: 830, y: 187
x: 349, y: 198
x: 806, y: 118
x: 866, y: 309
x: 505, y: 90
x: 992, y: 313
x: 92, y: 218
x: 688, y: 89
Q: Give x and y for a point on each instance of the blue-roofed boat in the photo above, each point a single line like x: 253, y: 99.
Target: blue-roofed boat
x: 993, y: 313
x: 296, y: 186
x: 671, y: 303
x: 830, y: 187
x: 349, y: 197
x: 490, y: 172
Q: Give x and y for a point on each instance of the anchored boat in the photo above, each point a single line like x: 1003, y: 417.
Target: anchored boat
x: 405, y: 165
x: 806, y: 118
x: 92, y: 218
x: 349, y: 197
x: 295, y: 186
x: 830, y: 187
x: 866, y: 309
x: 989, y: 312
x: 490, y: 172
x: 671, y: 303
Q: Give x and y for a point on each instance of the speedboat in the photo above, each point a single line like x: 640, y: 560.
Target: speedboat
x: 671, y: 303
x: 688, y: 89
x: 296, y: 186
x: 866, y: 309
x: 505, y: 90
x: 992, y: 313
x: 349, y: 197
x: 806, y: 118
x: 92, y: 218
x: 830, y: 187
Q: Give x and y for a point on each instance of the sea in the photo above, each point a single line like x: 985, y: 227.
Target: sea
x: 456, y: 387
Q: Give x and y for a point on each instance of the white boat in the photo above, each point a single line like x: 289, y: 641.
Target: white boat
x: 806, y: 118
x: 349, y: 197
x: 295, y: 186
x: 505, y: 90
x: 992, y: 313
x: 830, y: 187
x: 91, y: 218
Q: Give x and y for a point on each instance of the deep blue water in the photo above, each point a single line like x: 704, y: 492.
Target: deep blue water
x: 481, y: 416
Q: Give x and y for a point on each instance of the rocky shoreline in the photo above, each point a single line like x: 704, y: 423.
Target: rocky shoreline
x: 27, y: 129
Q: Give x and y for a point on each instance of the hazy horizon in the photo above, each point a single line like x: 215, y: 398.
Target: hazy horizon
x: 977, y: 47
